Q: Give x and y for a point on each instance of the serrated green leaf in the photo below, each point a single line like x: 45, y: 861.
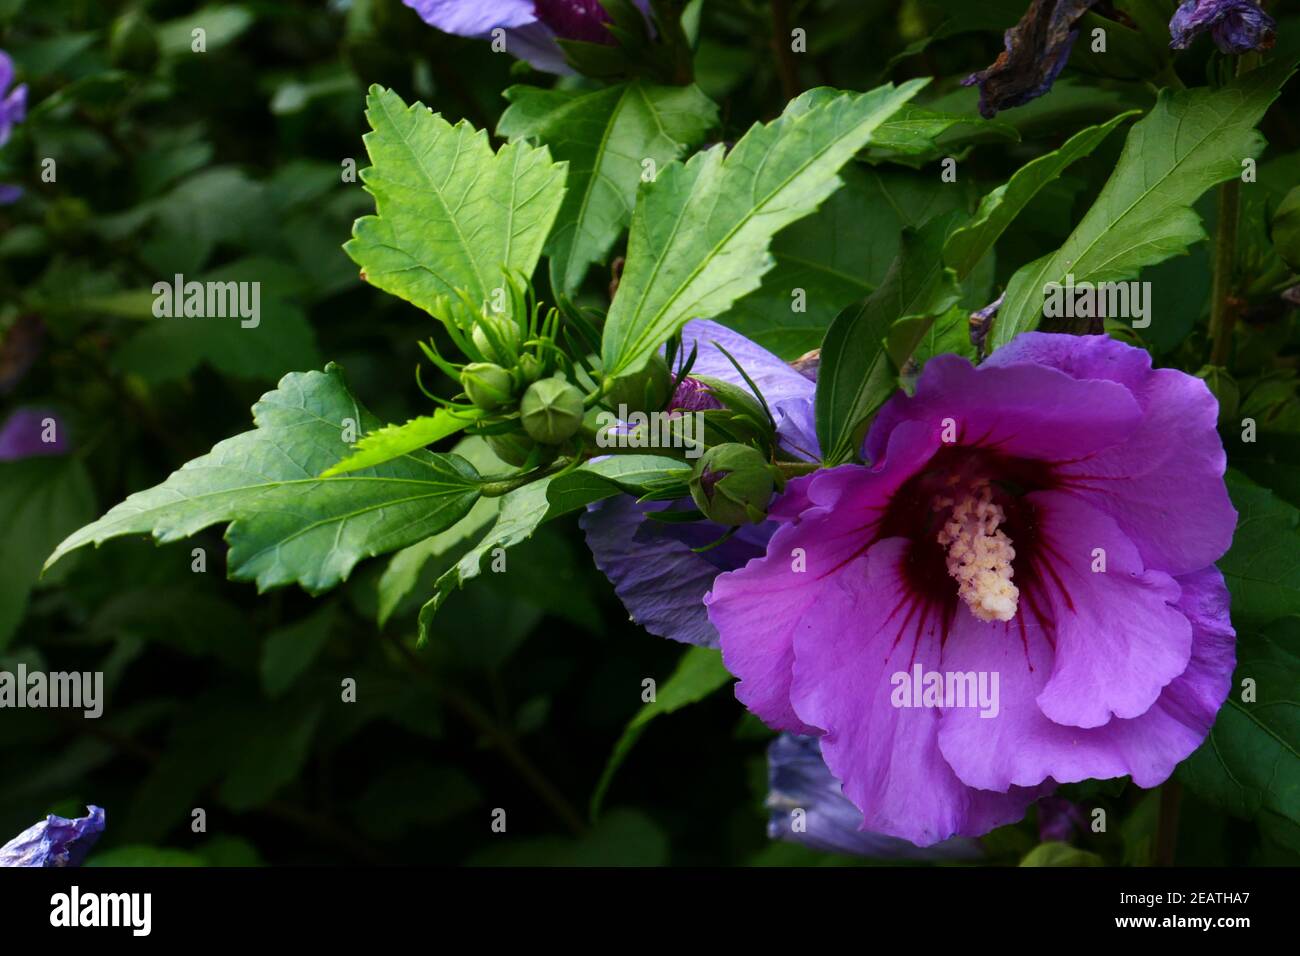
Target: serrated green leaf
x: 1249, y: 765
x: 525, y: 509
x: 1262, y: 568
x: 997, y: 210
x: 699, y: 673
x: 866, y: 345
x: 915, y: 136
x: 451, y: 214
x: 700, y: 234
x: 606, y: 137
x: 286, y: 524
x: 838, y: 255
x: 394, y: 441
x: 1190, y: 141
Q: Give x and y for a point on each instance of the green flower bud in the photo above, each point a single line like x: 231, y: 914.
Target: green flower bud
x: 505, y: 335
x: 488, y: 386
x: 529, y: 368
x: 514, y: 448
x: 551, y: 410
x: 732, y: 484
x: 647, y: 391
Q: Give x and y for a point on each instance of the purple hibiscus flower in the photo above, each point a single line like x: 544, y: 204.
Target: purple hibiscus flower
x: 1236, y: 26
x: 55, y: 841
x: 663, y: 582
x: 1049, y: 520
x: 31, y: 432
x: 13, y: 110
x: 531, y: 26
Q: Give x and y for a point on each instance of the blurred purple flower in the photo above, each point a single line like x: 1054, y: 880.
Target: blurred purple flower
x: 13, y: 110
x: 13, y: 103
x: 531, y: 26
x: 799, y: 780
x: 24, y: 433
x: 1058, y: 818
x: 20, y: 346
x: 56, y: 841
x: 1237, y: 26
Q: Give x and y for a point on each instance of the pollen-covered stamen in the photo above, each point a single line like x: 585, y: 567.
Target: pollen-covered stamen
x: 979, y: 555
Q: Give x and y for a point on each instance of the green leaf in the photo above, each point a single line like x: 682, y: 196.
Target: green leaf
x: 169, y: 349
x: 286, y: 524
x: 1249, y: 766
x: 394, y: 441
x: 624, y: 837
x: 968, y: 245
x: 271, y: 759
x: 222, y: 24
x: 525, y: 509
x: 1286, y: 229
x: 949, y: 333
x: 605, y: 137
x: 700, y: 234
x: 916, y: 136
x: 409, y: 567
x: 451, y: 215
x: 151, y: 856
x: 43, y: 500
x: 867, y: 345
x: 1190, y: 141
x: 290, y: 650
x: 1262, y: 568
x: 699, y: 673
x: 837, y: 256
x: 1060, y: 854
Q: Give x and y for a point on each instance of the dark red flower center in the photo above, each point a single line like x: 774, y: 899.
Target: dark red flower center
x: 972, y: 530
x: 575, y: 19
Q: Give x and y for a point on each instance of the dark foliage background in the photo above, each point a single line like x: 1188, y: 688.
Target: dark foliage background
x: 228, y: 162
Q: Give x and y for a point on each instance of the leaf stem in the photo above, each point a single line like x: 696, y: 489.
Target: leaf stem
x: 475, y: 716
x: 785, y: 64
x: 1223, y: 308
x: 1222, y: 311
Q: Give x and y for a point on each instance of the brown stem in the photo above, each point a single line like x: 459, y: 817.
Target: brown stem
x: 474, y: 715
x: 1223, y: 312
x: 785, y: 62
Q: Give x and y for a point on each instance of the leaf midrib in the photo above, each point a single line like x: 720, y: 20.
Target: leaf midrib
x: 638, y: 341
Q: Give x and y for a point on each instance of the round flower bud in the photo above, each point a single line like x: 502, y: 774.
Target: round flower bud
x: 529, y: 368
x: 504, y: 333
x: 733, y: 484
x: 514, y: 448
x: 646, y: 391
x: 488, y: 386
x: 551, y: 410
